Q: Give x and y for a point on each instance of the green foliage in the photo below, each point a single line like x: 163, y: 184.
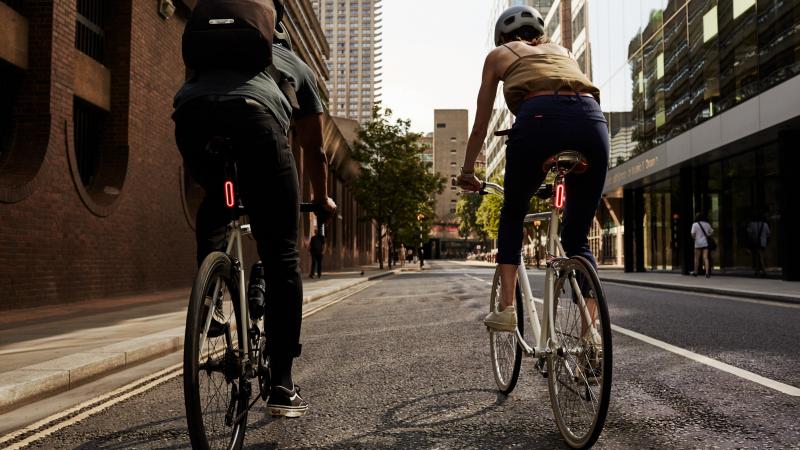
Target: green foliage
x: 487, y: 217
x: 467, y: 211
x: 394, y: 185
x: 488, y: 214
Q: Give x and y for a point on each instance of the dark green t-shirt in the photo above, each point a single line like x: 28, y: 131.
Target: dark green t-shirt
x: 305, y: 82
x: 259, y: 86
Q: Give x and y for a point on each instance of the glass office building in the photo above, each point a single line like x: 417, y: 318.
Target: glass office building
x: 703, y: 102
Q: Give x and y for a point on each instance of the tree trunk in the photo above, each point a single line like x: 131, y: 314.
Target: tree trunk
x: 380, y: 246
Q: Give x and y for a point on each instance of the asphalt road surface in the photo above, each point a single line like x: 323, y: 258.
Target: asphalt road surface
x: 405, y: 364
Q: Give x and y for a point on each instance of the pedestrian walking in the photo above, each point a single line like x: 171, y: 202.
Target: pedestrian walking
x: 758, y: 236
x: 703, y: 243
x: 317, y: 247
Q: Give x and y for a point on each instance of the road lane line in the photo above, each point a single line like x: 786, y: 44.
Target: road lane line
x: 702, y: 359
x: 476, y: 278
x: 343, y: 297
x: 696, y: 357
x: 105, y: 401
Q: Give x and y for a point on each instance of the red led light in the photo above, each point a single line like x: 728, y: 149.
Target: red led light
x: 560, y: 196
x: 230, y: 198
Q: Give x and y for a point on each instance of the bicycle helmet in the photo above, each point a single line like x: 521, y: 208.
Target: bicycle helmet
x: 281, y: 36
x: 514, y: 19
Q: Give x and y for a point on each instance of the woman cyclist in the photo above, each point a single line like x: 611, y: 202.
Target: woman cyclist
x: 557, y: 108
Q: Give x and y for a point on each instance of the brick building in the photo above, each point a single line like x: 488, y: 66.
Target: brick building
x: 94, y: 202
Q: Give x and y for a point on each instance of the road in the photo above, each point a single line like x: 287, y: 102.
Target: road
x: 405, y: 364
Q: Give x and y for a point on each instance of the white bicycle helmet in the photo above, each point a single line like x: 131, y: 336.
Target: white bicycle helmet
x: 515, y: 18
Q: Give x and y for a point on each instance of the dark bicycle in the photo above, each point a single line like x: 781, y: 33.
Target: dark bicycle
x: 224, y: 348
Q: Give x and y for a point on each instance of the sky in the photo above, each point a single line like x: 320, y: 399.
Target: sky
x: 433, y: 52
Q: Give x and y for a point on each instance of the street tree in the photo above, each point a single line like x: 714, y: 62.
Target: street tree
x: 394, y: 185
x: 467, y: 212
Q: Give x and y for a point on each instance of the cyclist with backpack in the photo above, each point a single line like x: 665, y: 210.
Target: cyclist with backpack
x: 557, y: 108
x: 243, y: 87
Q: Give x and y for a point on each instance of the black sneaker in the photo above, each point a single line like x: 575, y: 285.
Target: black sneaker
x: 286, y: 403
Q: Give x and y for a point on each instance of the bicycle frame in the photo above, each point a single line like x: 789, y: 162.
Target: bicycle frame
x: 544, y: 336
x: 234, y: 248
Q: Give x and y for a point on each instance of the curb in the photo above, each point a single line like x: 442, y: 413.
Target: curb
x: 30, y: 383
x: 781, y: 298
x: 706, y: 290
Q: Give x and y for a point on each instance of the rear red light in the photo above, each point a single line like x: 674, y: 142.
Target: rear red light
x: 560, y: 196
x: 230, y: 198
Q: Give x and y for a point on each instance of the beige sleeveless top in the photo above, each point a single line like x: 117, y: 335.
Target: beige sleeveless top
x: 543, y: 72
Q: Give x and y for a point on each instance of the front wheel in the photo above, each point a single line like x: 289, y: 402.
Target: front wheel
x: 505, y: 351
x: 580, y: 367
x: 215, y: 392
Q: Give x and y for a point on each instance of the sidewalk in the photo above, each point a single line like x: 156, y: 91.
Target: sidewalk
x: 755, y: 288
x: 46, y: 350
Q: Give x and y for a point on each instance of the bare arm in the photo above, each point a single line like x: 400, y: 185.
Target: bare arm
x: 308, y: 132
x: 486, y: 95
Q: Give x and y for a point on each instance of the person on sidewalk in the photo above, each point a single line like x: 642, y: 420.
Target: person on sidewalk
x: 758, y: 237
x: 316, y: 247
x: 701, y: 233
x: 249, y: 107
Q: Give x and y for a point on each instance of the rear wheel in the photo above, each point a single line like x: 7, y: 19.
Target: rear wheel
x: 215, y: 392
x: 505, y: 351
x: 580, y: 369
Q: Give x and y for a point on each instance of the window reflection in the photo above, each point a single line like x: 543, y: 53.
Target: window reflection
x: 664, y: 66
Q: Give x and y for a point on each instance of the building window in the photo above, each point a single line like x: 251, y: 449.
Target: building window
x: 578, y: 23
x: 441, y: 125
x: 10, y: 78
x: 88, y: 122
x: 89, y: 33
x: 554, y: 23
x: 452, y: 210
x: 14, y: 4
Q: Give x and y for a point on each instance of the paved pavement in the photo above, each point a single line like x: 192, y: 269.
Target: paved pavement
x: 755, y: 288
x: 404, y: 363
x: 51, y: 349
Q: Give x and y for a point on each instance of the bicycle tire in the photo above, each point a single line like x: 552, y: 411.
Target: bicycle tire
x: 575, y: 367
x: 502, y: 343
x: 196, y: 359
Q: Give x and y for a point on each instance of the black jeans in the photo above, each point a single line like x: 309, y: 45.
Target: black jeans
x: 269, y: 189
x: 545, y: 126
x: 316, y: 264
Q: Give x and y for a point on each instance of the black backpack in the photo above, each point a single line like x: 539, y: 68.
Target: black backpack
x: 231, y: 34
x: 235, y: 34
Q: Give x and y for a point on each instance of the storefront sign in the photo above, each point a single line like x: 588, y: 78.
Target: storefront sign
x: 643, y: 165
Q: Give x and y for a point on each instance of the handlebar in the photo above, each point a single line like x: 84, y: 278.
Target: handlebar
x: 484, y: 186
x: 322, y: 214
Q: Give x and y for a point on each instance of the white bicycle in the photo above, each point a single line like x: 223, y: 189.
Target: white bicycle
x: 572, y: 343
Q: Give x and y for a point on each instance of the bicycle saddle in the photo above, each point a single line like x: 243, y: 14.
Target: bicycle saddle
x: 568, y: 161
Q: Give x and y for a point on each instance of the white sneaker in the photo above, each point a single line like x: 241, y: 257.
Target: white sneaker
x: 505, y: 320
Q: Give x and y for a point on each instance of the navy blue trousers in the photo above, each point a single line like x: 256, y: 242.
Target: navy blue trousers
x: 545, y: 126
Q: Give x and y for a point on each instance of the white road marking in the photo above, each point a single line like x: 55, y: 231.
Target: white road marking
x: 741, y: 373
x: 479, y: 279
x: 98, y: 404
x: 696, y: 357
